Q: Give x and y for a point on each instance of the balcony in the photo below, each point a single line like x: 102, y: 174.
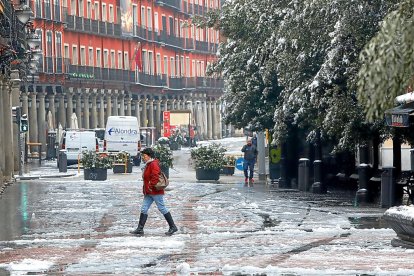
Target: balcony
x: 78, y: 23
x: 170, y: 39
x: 125, y: 76
x: 201, y: 46
x: 59, y: 65
x: 49, y: 65
x: 171, y: 3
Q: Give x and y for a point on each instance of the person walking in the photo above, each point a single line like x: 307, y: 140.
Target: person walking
x: 250, y: 155
x: 150, y: 175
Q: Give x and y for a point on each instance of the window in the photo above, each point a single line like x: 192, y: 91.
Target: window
x: 73, y: 7
x: 158, y: 66
x: 49, y: 44
x: 66, y: 56
x: 143, y: 17
x: 119, y: 60
x: 202, y: 69
x: 177, y: 66
x: 166, y: 65
x: 66, y: 51
x: 171, y: 25
x: 172, y: 67
x: 134, y: 16
x: 89, y: 9
x: 193, y: 71
x: 98, y: 58
x: 187, y: 67
x: 58, y: 46
x: 74, y: 55
x: 182, y: 66
x: 156, y: 28
x: 96, y: 10
x: 90, y: 56
x: 111, y: 14
x: 144, y: 61
x: 81, y: 8
x: 48, y: 10
x: 82, y: 56
x: 198, y: 68
x: 126, y: 61
x: 106, y: 59
x: 38, y: 9
x: 113, y: 59
x: 177, y: 33
x: 104, y: 14
x: 149, y: 17
x: 151, y: 63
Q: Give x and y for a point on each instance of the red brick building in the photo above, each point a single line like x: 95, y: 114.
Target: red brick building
x: 122, y: 57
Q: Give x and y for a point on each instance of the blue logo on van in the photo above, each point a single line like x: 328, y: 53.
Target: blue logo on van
x: 116, y: 130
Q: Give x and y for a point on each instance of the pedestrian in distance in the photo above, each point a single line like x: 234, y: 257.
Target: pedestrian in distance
x: 250, y: 155
x: 150, y: 176
x: 254, y: 140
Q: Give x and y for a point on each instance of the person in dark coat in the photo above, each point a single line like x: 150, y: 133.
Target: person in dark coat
x: 150, y: 176
x: 250, y: 155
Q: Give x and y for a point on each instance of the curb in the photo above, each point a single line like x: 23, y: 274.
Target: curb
x: 32, y: 177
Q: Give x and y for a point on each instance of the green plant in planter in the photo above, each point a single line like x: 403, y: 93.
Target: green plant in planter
x: 164, y: 155
x: 122, y: 157
x: 210, y: 157
x: 93, y: 160
x: 163, y: 141
x: 230, y: 160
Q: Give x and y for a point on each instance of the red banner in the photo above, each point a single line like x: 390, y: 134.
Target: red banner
x: 167, y: 126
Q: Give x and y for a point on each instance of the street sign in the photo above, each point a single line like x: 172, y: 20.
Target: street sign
x: 239, y: 163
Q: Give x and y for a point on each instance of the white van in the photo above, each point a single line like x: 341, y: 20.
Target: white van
x: 76, y: 141
x: 122, y: 134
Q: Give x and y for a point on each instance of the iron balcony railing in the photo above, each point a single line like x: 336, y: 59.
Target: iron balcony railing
x: 172, y: 3
x: 59, y: 65
x: 120, y: 75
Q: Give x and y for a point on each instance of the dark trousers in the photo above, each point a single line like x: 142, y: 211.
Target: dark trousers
x: 248, y: 167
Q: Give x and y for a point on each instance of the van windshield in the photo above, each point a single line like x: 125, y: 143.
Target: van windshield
x: 100, y: 133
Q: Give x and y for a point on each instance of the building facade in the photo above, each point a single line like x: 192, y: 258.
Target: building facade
x: 121, y: 57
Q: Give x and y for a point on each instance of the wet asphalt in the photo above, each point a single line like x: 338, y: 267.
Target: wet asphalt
x: 68, y: 226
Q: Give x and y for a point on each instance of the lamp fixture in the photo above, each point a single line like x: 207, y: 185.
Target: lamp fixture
x: 36, y: 54
x: 24, y: 13
x: 33, y: 40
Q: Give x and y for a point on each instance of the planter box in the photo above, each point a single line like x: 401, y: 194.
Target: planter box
x: 95, y: 174
x: 202, y: 174
x: 120, y: 168
x: 227, y: 170
x: 175, y: 146
x: 403, y: 227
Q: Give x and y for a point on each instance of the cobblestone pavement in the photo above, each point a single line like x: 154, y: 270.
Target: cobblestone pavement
x: 68, y: 226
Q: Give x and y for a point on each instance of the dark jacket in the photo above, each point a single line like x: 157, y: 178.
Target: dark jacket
x: 250, y: 152
x: 151, y: 176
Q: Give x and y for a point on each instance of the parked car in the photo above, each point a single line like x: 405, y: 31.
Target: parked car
x: 75, y: 142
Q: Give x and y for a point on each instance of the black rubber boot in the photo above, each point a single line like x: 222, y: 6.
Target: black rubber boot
x: 170, y: 221
x: 140, y: 229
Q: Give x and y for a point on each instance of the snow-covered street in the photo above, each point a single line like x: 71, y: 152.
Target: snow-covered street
x: 69, y: 226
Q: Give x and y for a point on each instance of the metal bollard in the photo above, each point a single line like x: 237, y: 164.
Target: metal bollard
x: 63, y: 161
x: 362, y: 193
x: 388, y: 187
x: 318, y: 187
x: 303, y: 174
x: 412, y: 159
